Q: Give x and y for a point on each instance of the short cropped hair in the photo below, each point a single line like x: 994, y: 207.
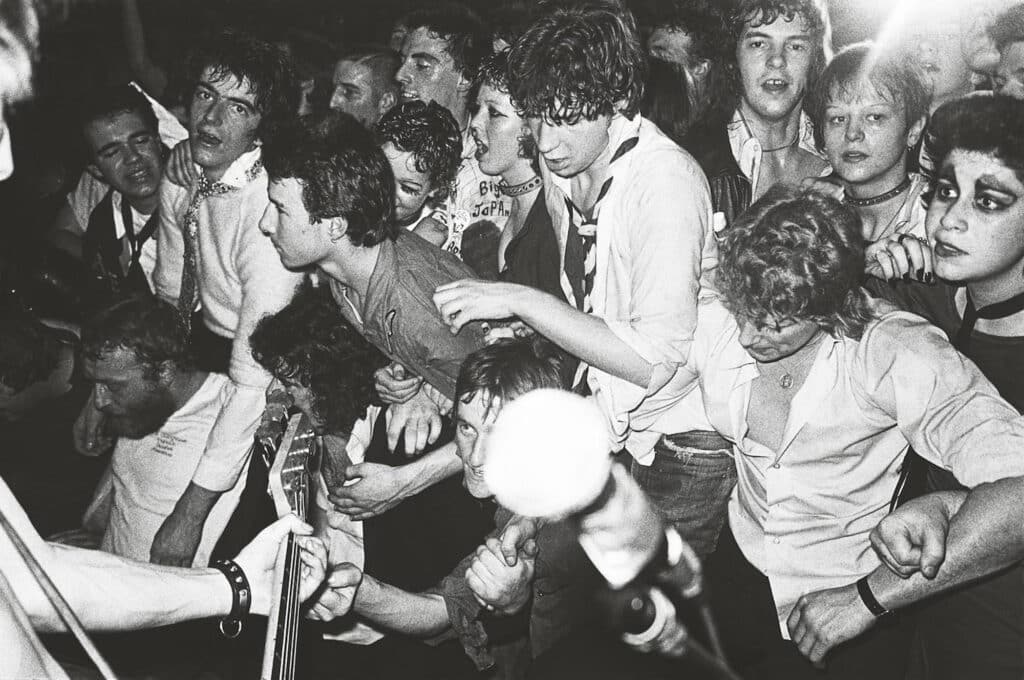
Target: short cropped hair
x: 429, y: 132
x: 148, y: 327
x: 28, y: 352
x: 310, y: 343
x: 579, y: 61
x: 276, y: 86
x: 116, y: 99
x: 813, y: 13
x: 897, y: 80
x: 464, y: 32
x: 1007, y: 27
x: 342, y: 171
x: 796, y: 255
x: 494, y: 73
x: 982, y: 122
x: 382, y: 61
x: 509, y: 368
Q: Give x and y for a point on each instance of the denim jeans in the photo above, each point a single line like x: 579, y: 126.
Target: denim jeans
x: 689, y: 482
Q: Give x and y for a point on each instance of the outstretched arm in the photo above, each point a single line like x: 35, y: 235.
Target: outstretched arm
x: 108, y: 592
x: 985, y: 535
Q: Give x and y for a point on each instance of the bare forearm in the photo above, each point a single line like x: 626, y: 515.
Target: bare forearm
x: 196, y: 503
x: 583, y: 335
x: 986, y: 534
x: 430, y: 469
x: 111, y: 593
x: 408, y: 613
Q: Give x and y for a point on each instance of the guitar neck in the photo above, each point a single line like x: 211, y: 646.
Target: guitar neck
x: 281, y: 651
x: 290, y: 489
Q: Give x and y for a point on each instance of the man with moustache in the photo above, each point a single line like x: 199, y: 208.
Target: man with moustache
x: 780, y: 48
x: 364, y: 82
x: 440, y: 56
x: 210, y: 250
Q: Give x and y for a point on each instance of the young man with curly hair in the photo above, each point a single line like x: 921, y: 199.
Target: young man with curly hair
x: 423, y: 146
x: 821, y: 392
x: 632, y: 214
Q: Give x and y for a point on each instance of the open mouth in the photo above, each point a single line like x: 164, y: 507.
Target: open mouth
x: 206, y: 139
x: 854, y: 156
x: 942, y: 249
x: 775, y: 84
x: 140, y: 176
x: 409, y: 95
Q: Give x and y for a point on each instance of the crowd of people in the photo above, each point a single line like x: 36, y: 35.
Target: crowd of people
x: 788, y: 278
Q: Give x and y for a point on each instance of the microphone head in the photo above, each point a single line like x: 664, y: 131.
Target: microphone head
x: 548, y: 454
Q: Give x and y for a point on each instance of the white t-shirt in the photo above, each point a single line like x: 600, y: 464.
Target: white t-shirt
x: 149, y: 475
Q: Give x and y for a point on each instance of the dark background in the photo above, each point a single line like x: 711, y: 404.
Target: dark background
x: 81, y: 47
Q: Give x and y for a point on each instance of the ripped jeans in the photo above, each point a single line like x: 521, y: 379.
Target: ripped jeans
x: 689, y: 482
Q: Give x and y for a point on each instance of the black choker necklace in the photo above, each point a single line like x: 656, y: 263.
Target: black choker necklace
x: 880, y: 198
x: 997, y: 310
x: 519, y: 189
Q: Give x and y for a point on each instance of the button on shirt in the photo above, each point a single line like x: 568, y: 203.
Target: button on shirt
x: 655, y: 248
x: 241, y: 280
x: 802, y: 514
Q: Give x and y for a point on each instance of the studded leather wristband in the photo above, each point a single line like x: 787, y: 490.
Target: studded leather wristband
x: 868, y: 598
x: 241, y: 597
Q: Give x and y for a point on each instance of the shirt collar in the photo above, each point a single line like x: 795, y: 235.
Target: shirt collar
x: 244, y: 169
x: 741, y: 138
x: 620, y: 130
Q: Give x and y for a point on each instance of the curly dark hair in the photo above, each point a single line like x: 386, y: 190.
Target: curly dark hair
x: 342, y: 170
x: 466, y: 34
x: 29, y: 352
x: 756, y: 13
x: 896, y: 79
x: 984, y: 122
x: 429, y: 132
x: 579, y: 61
x: 147, y: 326
x: 796, y: 255
x: 275, y: 83
x: 510, y: 368
x: 310, y: 343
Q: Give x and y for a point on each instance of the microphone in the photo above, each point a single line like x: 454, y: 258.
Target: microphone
x: 548, y: 456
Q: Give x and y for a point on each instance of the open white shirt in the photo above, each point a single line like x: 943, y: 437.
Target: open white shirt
x: 655, y: 250
x: 802, y: 514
